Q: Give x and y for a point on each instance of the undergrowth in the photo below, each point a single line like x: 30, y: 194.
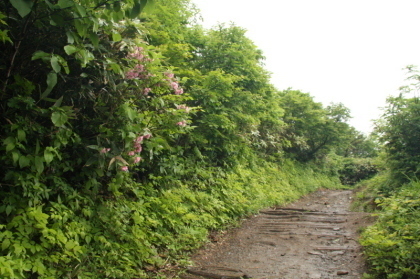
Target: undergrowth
x: 392, y: 243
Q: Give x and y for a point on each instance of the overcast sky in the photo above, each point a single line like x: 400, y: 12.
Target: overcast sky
x: 343, y: 51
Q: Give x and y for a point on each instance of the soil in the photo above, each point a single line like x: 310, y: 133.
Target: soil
x: 312, y: 238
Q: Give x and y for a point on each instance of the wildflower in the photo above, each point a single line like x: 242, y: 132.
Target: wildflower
x: 105, y: 150
x: 136, y: 160
x: 138, y: 147
x: 187, y: 109
x: 131, y: 153
x: 179, y: 91
x: 182, y: 123
x: 124, y: 168
x: 146, y: 91
x: 147, y: 136
x: 137, y: 54
x: 139, y: 139
x: 174, y: 85
x: 169, y: 75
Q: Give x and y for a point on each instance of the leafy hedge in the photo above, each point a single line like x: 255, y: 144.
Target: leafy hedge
x: 392, y: 245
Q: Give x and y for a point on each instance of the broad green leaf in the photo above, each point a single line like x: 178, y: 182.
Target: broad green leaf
x: 9, y: 209
x: 116, y: 37
x: 21, y: 135
x: 135, y: 11
x: 39, y: 54
x: 51, y: 82
x: 23, y: 161
x: 94, y: 38
x: 22, y: 6
x: 69, y: 49
x: 5, y: 244
x: 48, y: 155
x: 59, y: 118
x: 39, y: 164
x: 15, y: 156
x: 54, y: 64
x: 81, y: 10
x: 70, y: 37
x: 10, y: 146
x: 65, y: 3
x: 80, y: 27
x: 58, y: 102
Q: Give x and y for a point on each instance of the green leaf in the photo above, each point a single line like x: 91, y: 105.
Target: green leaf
x: 39, y: 55
x: 58, y: 102
x: 10, y: 146
x: 22, y: 6
x: 55, y: 65
x: 94, y: 38
x: 15, y: 156
x: 136, y: 9
x: 81, y: 10
x: 48, y: 155
x: 65, y: 3
x: 39, y: 164
x: 51, y: 82
x: 59, y: 118
x: 23, y: 161
x: 116, y: 37
x: 70, y: 37
x: 69, y: 49
x: 21, y: 135
x: 8, y: 209
x: 5, y: 244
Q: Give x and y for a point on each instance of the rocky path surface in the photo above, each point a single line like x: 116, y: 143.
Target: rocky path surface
x: 312, y: 238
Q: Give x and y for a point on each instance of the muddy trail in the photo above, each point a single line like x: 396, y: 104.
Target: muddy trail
x: 312, y: 238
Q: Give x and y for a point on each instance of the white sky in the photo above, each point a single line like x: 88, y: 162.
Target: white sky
x: 343, y: 51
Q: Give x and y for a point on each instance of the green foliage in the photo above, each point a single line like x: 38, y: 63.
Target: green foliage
x: 109, y: 167
x: 392, y: 244
x: 311, y: 130
x: 399, y: 131
x: 355, y: 170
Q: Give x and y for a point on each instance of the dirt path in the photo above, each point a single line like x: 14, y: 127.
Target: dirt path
x: 314, y: 237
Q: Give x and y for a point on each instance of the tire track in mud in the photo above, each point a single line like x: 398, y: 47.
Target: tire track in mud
x: 312, y: 238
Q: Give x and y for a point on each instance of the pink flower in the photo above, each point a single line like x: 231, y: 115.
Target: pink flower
x: 138, y: 147
x: 131, y: 153
x: 179, y: 91
x: 136, y: 160
x: 139, y: 139
x: 174, y: 85
x: 124, y: 168
x: 169, y: 75
x: 146, y: 91
x: 148, y: 136
x: 137, y: 54
x: 132, y: 74
x: 187, y: 109
x: 182, y: 123
x: 105, y: 150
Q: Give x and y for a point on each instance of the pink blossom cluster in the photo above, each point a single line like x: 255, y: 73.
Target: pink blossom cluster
x: 137, y: 53
x: 105, y: 150
x: 136, y: 72
x: 137, y: 149
x: 146, y: 91
x: 182, y: 123
x: 174, y: 84
x: 187, y: 109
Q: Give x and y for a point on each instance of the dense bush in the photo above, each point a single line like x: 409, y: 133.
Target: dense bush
x: 355, y: 170
x: 392, y: 245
